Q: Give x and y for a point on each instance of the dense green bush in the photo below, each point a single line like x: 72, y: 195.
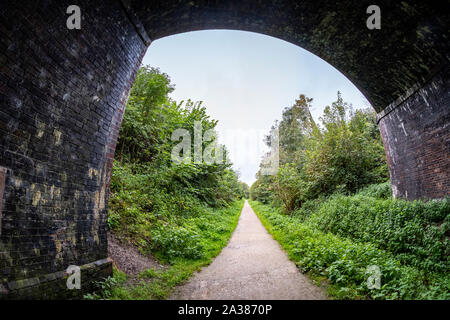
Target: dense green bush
x: 262, y: 189
x: 145, y: 145
x: 415, y: 232
x: 380, y: 191
x: 156, y: 211
x: 177, y: 241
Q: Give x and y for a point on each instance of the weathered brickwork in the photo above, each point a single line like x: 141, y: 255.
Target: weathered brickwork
x: 416, y: 136
x: 63, y: 94
x: 54, y: 285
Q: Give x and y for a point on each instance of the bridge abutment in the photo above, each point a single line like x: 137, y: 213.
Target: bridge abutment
x: 62, y: 93
x: 416, y: 136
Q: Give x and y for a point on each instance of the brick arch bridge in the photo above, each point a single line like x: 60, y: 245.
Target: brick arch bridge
x: 63, y: 94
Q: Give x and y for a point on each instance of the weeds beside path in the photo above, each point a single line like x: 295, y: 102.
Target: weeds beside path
x: 213, y: 229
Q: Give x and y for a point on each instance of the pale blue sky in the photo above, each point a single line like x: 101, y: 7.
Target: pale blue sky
x: 245, y: 80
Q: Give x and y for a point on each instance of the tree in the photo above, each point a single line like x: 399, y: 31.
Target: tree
x: 344, y: 155
x: 145, y: 142
x: 349, y: 153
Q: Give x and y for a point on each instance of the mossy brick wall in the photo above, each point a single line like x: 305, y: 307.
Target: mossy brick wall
x: 63, y: 93
x: 62, y: 96
x: 53, y: 286
x: 416, y: 136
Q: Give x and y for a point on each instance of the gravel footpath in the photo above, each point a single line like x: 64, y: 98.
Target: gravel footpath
x: 252, y: 266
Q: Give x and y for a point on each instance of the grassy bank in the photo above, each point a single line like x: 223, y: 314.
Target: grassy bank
x: 335, y: 240
x: 185, y: 248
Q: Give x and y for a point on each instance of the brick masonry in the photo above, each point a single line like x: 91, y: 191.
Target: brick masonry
x: 416, y: 137
x: 63, y: 94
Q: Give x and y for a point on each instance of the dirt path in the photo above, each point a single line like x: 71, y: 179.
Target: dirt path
x: 128, y: 259
x: 252, y: 266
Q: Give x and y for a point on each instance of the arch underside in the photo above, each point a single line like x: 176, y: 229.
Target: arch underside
x: 411, y: 46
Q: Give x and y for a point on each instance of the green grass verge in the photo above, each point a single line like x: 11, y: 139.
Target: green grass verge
x: 342, y: 262
x: 212, y: 229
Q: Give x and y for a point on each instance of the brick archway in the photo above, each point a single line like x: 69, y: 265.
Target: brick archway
x: 63, y: 94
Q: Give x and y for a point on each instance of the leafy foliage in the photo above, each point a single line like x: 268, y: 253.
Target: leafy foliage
x: 262, y: 189
x: 343, y: 260
x: 342, y: 217
x: 153, y: 198
x: 343, y: 155
x: 415, y: 232
x: 202, y: 238
x: 381, y: 190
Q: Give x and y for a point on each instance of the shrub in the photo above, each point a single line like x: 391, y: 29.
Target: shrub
x: 379, y: 191
x: 177, y: 241
x: 413, y: 231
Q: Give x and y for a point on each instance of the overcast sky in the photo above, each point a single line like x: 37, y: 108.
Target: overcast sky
x: 245, y: 80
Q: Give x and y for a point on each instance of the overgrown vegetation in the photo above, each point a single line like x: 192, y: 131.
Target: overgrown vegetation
x: 187, y: 247
x: 329, y: 205
x: 344, y: 154
x: 156, y: 209
x: 331, y: 208
x: 415, y: 232
x: 337, y: 243
x: 181, y: 213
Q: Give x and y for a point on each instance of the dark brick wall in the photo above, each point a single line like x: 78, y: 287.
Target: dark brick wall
x: 416, y: 136
x: 62, y: 96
